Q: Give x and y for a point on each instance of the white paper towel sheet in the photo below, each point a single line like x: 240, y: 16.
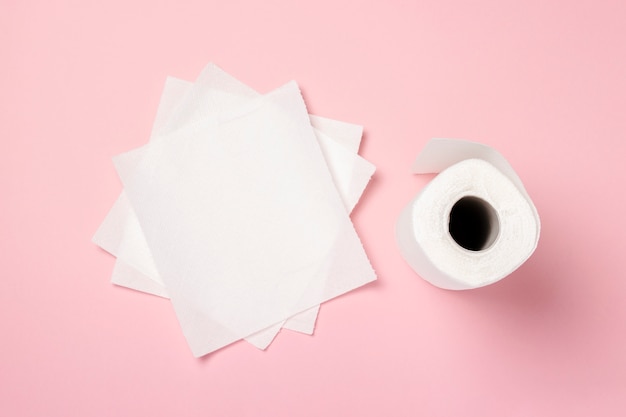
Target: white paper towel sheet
x: 473, y: 224
x: 218, y: 138
x: 351, y: 174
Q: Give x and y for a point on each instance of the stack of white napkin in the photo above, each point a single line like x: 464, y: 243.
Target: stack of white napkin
x: 238, y: 211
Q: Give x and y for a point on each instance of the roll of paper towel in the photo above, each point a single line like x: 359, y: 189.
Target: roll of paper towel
x: 473, y: 224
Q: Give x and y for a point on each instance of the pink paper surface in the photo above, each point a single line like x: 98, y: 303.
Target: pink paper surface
x: 541, y: 81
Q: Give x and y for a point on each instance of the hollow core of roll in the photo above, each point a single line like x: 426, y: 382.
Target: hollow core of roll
x: 474, y: 223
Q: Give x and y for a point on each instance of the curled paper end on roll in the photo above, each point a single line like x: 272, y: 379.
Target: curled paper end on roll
x: 473, y: 224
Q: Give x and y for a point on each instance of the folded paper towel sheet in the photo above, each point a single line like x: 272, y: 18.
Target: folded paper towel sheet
x: 473, y: 224
x: 136, y: 266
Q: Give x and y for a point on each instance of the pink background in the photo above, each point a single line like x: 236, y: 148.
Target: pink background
x: 542, y: 81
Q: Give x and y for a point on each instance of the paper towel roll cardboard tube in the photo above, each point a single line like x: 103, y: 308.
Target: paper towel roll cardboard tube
x: 473, y: 224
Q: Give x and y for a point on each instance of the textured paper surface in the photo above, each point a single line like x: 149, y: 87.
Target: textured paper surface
x: 135, y: 267
x: 423, y: 229
x: 201, y: 177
